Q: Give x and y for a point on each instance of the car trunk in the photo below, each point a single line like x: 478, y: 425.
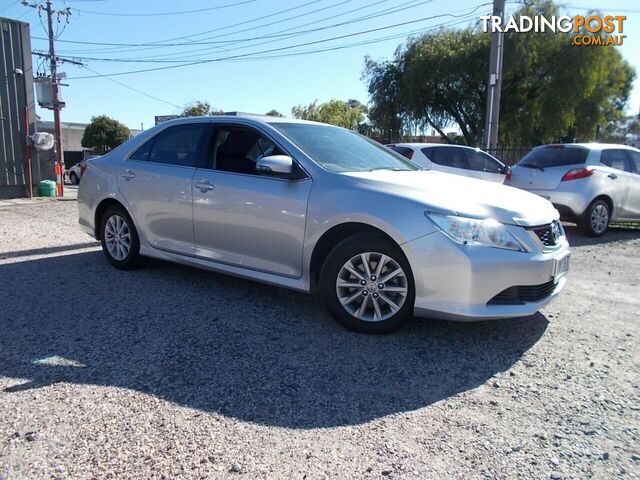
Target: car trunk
x: 544, y: 167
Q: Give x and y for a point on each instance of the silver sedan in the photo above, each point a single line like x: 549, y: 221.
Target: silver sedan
x: 314, y: 207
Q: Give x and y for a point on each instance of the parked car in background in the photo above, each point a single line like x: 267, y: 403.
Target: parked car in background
x: 457, y: 159
x: 311, y: 206
x: 74, y: 173
x: 589, y: 183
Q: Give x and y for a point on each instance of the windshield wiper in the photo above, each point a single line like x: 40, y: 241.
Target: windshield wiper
x: 531, y: 165
x: 394, y: 169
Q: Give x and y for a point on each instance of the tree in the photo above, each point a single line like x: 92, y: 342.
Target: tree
x: 551, y: 90
x: 274, y: 113
x: 350, y: 114
x: 104, y: 134
x: 199, y: 109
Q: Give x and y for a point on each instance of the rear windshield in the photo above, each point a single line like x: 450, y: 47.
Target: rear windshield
x: 554, y: 156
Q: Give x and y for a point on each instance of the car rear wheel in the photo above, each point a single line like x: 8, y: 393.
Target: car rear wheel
x: 74, y: 178
x: 119, y: 238
x: 596, y: 218
x: 367, y: 284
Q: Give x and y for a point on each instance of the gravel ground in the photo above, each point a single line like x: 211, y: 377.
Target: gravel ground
x: 172, y: 372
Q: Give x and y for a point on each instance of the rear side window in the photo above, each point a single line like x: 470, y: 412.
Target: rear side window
x: 554, y: 156
x: 179, y: 145
x: 448, y: 157
x: 635, y: 161
x: 614, y: 158
x: 404, y: 151
x: 143, y: 152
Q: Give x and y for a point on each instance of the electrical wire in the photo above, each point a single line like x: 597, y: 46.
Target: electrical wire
x: 130, y: 87
x: 183, y: 12
x: 200, y: 62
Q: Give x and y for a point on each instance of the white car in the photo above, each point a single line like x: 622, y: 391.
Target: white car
x: 456, y: 159
x: 591, y: 184
x: 74, y: 173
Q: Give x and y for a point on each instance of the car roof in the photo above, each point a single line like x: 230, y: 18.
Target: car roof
x: 243, y: 119
x: 424, y: 144
x: 590, y: 146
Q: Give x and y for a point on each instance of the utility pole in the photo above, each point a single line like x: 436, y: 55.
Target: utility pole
x: 56, y: 101
x: 56, y: 104
x: 495, y: 81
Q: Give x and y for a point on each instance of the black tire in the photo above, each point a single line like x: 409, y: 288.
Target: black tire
x: 132, y: 259
x: 73, y: 178
x: 593, y: 223
x: 347, y: 250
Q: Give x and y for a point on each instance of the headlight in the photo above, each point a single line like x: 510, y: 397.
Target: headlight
x: 471, y: 231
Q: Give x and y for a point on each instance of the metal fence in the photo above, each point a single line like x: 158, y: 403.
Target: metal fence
x: 509, y: 155
x: 17, y: 112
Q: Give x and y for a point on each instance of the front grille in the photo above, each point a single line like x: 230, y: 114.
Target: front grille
x: 545, y: 234
x: 520, y: 294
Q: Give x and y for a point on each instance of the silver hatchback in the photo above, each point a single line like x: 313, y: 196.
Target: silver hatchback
x: 591, y: 184
x: 314, y: 207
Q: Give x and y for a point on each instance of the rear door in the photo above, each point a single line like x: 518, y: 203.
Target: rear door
x: 543, y: 167
x: 616, y: 175
x: 156, y: 182
x: 633, y: 204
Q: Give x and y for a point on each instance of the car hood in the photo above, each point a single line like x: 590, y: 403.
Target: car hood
x: 444, y: 192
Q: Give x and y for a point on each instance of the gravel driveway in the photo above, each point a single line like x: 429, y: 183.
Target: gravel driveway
x: 172, y: 372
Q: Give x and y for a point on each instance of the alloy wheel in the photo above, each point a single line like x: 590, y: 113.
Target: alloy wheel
x: 599, y: 218
x: 372, y: 286
x: 117, y: 237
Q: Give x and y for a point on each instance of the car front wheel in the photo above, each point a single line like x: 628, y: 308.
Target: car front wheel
x: 367, y: 284
x: 596, y: 219
x: 74, y: 178
x: 119, y: 238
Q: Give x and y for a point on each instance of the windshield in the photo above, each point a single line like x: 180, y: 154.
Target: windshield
x: 341, y: 150
x: 554, y: 156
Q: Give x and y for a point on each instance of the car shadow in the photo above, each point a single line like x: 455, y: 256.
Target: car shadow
x: 245, y: 350
x: 616, y: 233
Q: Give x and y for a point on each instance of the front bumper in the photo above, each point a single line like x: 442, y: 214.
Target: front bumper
x: 457, y: 282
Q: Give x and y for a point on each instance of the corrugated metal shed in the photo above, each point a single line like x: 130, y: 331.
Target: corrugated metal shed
x: 16, y: 92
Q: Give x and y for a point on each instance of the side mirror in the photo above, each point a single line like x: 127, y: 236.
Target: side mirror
x: 282, y: 164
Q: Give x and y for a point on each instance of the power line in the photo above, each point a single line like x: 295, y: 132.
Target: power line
x: 200, y: 62
x: 274, y: 38
x: 130, y: 87
x: 162, y: 43
x: 183, y: 12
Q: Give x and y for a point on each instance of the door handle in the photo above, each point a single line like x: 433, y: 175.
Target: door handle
x: 612, y: 176
x: 128, y: 174
x: 204, y: 186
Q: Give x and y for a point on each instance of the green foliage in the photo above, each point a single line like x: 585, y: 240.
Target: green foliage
x: 104, y: 134
x: 274, y: 113
x: 199, y: 109
x: 550, y: 89
x: 350, y: 114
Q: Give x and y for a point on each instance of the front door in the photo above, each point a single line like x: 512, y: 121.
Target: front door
x: 244, y: 218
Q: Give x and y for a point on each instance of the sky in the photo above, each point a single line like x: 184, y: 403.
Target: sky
x: 247, y: 82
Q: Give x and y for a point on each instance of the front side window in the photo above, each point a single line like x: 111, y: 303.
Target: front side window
x: 238, y: 150
x: 481, y: 162
x: 341, y: 150
x: 614, y: 158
